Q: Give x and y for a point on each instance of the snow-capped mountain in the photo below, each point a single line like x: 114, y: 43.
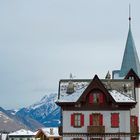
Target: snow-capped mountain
x: 8, y: 122
x: 45, y: 111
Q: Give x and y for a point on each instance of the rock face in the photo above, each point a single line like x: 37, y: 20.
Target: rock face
x: 45, y: 112
x: 8, y: 123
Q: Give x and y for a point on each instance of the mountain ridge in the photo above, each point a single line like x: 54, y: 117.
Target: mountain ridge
x: 44, y: 112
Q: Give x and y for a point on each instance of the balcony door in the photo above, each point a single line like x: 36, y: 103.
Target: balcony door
x: 96, y: 119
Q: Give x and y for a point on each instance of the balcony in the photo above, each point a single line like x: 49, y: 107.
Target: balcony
x: 134, y: 129
x: 96, y: 129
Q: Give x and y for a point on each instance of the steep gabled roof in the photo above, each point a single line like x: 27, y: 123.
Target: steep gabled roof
x: 85, y: 87
x: 94, y: 84
x: 130, y: 58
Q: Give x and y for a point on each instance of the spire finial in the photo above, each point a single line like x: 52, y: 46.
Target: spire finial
x: 129, y: 16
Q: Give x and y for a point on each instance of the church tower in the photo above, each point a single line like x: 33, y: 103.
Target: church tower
x: 130, y: 57
x: 130, y: 69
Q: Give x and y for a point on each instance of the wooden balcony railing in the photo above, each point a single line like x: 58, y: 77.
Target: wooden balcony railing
x: 96, y: 129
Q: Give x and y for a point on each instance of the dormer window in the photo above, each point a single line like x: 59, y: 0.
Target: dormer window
x: 70, y: 87
x: 96, y: 98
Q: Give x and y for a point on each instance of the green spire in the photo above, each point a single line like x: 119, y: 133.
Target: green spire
x: 130, y: 58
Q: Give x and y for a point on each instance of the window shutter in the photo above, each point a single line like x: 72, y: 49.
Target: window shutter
x: 136, y: 121
x: 82, y: 120
x: 91, y: 98
x: 101, y: 99
x: 91, y: 119
x: 112, y: 119
x: 131, y: 118
x: 101, y: 119
x: 115, y: 120
x: 72, y: 119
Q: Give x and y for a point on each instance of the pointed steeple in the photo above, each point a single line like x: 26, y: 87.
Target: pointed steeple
x: 130, y: 58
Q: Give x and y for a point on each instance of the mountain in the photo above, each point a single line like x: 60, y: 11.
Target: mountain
x: 8, y: 123
x: 45, y: 112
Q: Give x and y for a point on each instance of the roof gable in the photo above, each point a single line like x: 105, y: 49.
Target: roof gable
x: 94, y: 85
x: 132, y: 75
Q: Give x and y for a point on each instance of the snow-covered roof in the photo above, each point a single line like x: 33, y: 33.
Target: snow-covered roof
x: 72, y: 97
x: 121, y: 97
x: 22, y: 132
x: 78, y: 86
x: 51, y: 132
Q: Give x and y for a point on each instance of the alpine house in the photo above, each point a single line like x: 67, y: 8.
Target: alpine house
x: 97, y: 109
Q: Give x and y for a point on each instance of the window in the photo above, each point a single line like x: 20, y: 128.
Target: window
x: 77, y: 120
x: 96, y: 119
x: 96, y: 98
x: 114, y: 119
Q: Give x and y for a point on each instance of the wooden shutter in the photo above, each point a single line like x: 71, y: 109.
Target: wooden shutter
x: 101, y: 120
x: 101, y: 98
x: 131, y: 118
x: 136, y: 121
x: 90, y: 119
x: 82, y: 119
x: 72, y: 119
x: 115, y: 120
x: 91, y: 98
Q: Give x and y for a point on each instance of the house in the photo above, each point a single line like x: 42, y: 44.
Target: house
x: 96, y: 109
x: 48, y: 134
x: 22, y: 134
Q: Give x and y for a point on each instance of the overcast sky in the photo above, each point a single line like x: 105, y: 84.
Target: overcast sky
x: 43, y: 41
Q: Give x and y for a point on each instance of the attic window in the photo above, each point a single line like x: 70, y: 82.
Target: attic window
x: 131, y: 77
x: 96, y: 98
